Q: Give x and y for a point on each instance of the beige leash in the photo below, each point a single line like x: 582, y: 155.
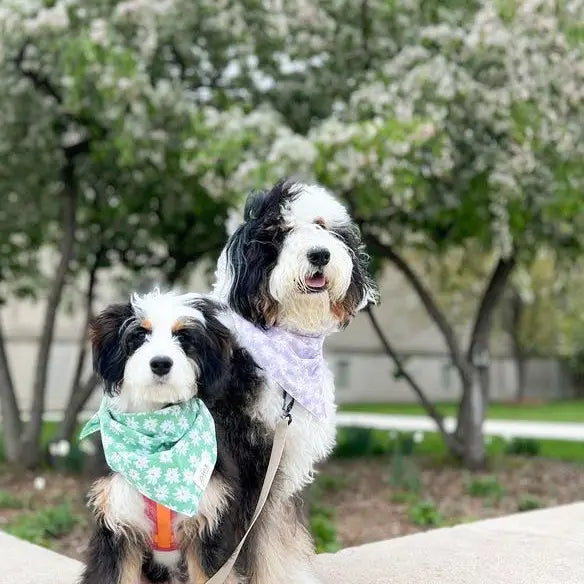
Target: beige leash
x: 275, y: 457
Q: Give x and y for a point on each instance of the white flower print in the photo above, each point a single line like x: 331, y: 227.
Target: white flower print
x: 167, y: 426
x: 172, y: 475
x: 161, y: 492
x: 182, y: 494
x: 182, y: 447
x: 132, y: 423
x: 166, y: 456
x: 183, y: 423
x: 133, y: 474
x: 142, y: 461
x: 188, y: 476
x: 151, y: 424
x: 153, y: 474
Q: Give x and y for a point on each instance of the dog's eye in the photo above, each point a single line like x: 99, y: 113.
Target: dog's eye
x: 320, y: 222
x: 136, y: 338
x: 184, y: 337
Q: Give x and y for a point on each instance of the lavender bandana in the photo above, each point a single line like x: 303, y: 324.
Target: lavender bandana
x: 294, y: 361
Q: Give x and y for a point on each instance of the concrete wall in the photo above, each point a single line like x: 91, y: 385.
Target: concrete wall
x: 370, y: 378
x: 362, y: 370
x: 361, y: 376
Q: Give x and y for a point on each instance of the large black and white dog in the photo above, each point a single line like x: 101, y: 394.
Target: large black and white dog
x: 296, y: 263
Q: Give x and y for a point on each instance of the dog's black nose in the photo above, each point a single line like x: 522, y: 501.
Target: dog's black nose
x: 319, y: 256
x: 160, y: 365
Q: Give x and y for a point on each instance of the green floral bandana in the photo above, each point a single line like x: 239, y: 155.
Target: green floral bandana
x: 168, y: 455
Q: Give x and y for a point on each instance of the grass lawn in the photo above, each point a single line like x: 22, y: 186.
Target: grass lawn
x: 559, y: 411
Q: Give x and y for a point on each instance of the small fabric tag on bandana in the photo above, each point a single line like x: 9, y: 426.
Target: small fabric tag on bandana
x: 294, y: 361
x: 167, y: 455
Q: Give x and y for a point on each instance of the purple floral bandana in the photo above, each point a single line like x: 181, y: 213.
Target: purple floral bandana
x: 294, y: 361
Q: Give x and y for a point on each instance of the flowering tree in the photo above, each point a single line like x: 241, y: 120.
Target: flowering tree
x: 121, y: 132
x: 470, y: 135
x: 130, y: 128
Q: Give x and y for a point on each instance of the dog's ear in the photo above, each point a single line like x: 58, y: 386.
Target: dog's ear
x: 214, y: 352
x: 108, y: 355
x: 362, y: 289
x: 254, y: 204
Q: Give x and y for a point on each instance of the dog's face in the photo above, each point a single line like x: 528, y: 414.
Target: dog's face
x: 159, y: 349
x: 296, y: 261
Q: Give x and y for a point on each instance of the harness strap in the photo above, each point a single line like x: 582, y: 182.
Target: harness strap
x: 275, y: 457
x: 162, y: 518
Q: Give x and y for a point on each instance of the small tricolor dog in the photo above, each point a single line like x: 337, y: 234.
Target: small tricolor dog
x: 183, y: 481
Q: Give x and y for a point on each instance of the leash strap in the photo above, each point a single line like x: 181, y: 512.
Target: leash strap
x: 275, y: 457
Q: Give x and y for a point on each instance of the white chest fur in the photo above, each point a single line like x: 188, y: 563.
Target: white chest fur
x: 309, y: 440
x: 123, y: 510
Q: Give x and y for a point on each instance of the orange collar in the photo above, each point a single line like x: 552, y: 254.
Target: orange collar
x: 162, y: 518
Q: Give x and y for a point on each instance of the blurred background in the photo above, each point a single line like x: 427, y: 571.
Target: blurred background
x: 130, y: 133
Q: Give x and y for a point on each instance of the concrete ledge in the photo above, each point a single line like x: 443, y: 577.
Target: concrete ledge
x: 542, y: 547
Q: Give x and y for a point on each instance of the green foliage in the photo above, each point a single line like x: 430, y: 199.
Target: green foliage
x: 328, y: 483
x: 523, y: 447
x: 425, y: 513
x: 404, y: 497
x: 527, y: 503
x: 355, y: 442
x: 323, y: 529
x: 405, y: 473
x: 43, y: 526
x: 552, y: 411
x: 10, y: 501
x: 487, y: 487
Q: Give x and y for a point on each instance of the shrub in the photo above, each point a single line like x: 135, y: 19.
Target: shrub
x: 523, y: 447
x: 401, y: 497
x: 45, y: 525
x: 405, y: 473
x: 527, y: 503
x: 425, y: 513
x: 356, y: 442
x: 10, y: 501
x: 488, y: 487
x: 323, y: 529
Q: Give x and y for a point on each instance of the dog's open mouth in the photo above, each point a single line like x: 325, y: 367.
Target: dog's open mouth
x: 315, y: 283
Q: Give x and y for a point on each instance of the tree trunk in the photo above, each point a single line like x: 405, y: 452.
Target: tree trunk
x: 31, y: 452
x: 449, y: 439
x: 517, y: 346
x: 11, y: 421
x: 469, y: 431
x: 77, y: 400
x: 80, y: 393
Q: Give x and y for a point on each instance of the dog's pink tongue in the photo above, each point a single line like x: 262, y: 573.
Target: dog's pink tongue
x: 318, y: 281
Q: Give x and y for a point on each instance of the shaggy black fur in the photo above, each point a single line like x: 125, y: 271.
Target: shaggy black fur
x: 252, y: 252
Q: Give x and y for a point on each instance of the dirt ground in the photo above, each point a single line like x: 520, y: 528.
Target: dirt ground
x: 366, y: 507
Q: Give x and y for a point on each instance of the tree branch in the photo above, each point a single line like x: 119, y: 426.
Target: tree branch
x: 39, y: 81
x: 401, y: 371
x: 79, y: 394
x: 428, y: 301
x: 31, y: 450
x: 11, y: 420
x: 489, y: 301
